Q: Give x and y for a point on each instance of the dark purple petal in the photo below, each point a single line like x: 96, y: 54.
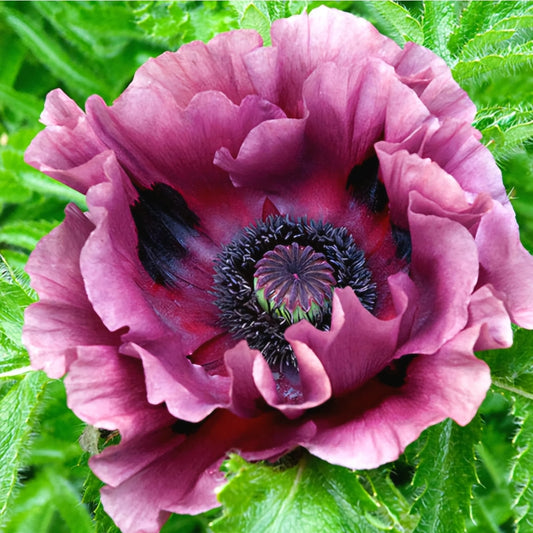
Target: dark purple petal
x: 142, y: 497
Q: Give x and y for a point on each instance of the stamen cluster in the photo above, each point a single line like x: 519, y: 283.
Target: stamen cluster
x: 246, y: 314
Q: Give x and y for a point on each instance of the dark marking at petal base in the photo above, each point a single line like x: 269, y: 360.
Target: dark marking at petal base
x: 402, y: 239
x: 365, y: 186
x: 164, y: 223
x: 185, y: 428
x: 394, y: 375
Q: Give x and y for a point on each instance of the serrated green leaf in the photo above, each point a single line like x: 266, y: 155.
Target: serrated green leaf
x: 521, y: 22
x: 307, y: 497
x: 439, y: 24
x: 446, y: 471
x: 67, y: 501
x: 91, y: 495
x: 482, y: 44
x: 504, y: 128
x: 98, y: 29
x: 271, y: 9
x: 473, y: 20
x: 256, y: 20
x: 483, y: 17
x: 521, y: 474
x: 175, y: 23
x: 12, y: 355
x: 399, y: 22
x: 32, y: 510
x: 18, y: 416
x: 12, y: 56
x: 15, y: 296
x: 500, y: 65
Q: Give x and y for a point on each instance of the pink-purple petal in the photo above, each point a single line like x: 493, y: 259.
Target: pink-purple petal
x: 374, y: 425
x: 498, y: 237
x: 63, y: 318
x: 357, y: 346
x: 403, y: 173
x: 188, y: 391
x: 198, y: 67
x: 430, y: 77
x: 489, y: 311
x: 304, y: 42
x: 445, y: 271
x: 68, y: 143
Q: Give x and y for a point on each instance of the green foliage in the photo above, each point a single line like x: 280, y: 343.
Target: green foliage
x: 402, y: 25
x: 308, y: 495
x: 523, y: 464
x: 175, y: 23
x: 512, y: 372
x: 446, y: 472
x: 21, y: 401
x: 52, y: 474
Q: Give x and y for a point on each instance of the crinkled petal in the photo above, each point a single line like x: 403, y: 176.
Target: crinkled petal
x: 351, y: 109
x: 67, y: 143
x: 177, y: 147
x: 63, y: 318
x: 431, y: 78
x: 403, y: 173
x: 444, y: 269
x: 107, y: 390
x: 272, y: 151
x: 489, y: 311
x: 189, y: 392
x: 357, y: 346
x: 374, y: 425
x: 454, y: 145
x: 198, y: 67
x: 303, y: 42
x: 505, y: 264
x: 254, y: 386
x: 120, y: 289
x: 183, y: 472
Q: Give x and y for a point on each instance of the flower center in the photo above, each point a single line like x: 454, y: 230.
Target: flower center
x: 294, y: 282
x: 278, y: 272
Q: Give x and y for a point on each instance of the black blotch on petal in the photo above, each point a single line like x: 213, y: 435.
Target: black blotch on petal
x: 394, y: 375
x: 366, y: 188
x: 185, y: 428
x: 164, y: 223
x: 402, y: 239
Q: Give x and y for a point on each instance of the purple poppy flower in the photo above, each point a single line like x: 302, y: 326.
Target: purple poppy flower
x: 295, y: 245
